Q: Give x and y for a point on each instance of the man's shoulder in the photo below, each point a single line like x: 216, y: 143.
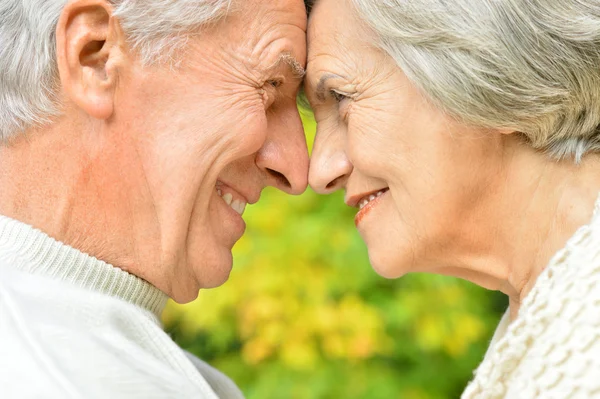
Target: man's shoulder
x: 223, y: 386
x: 56, y: 341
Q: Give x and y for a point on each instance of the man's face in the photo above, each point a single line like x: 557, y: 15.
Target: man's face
x: 205, y: 138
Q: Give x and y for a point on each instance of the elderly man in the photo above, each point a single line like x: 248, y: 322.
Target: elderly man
x: 134, y: 134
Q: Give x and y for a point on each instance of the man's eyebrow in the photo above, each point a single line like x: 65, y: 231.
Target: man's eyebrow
x: 320, y: 90
x: 295, y: 66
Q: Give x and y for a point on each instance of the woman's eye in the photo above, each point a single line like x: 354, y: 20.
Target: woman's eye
x: 337, y: 96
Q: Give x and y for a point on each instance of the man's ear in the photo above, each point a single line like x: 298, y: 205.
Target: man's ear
x: 88, y: 48
x: 507, y: 130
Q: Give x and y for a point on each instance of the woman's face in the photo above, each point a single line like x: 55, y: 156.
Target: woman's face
x: 419, y: 177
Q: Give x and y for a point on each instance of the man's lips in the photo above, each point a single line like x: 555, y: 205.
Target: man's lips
x: 234, y: 198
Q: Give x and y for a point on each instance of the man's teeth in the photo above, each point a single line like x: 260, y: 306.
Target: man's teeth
x: 237, y: 205
x: 370, y: 198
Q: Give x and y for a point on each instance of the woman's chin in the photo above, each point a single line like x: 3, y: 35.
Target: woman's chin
x: 387, y: 266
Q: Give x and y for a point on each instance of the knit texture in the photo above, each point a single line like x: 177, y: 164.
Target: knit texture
x: 29, y: 250
x: 72, y: 326
x: 552, y: 349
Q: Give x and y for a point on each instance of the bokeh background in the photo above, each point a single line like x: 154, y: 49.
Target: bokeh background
x: 304, y: 316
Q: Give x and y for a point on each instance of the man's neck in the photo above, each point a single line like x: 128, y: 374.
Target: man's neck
x: 57, y: 181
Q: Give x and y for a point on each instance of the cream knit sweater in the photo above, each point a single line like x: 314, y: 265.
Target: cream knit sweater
x: 552, y: 349
x: 72, y: 326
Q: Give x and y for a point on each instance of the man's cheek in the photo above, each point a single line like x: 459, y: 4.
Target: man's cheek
x: 248, y: 136
x: 246, y: 126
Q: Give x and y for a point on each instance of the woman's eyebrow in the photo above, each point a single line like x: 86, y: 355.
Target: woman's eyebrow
x: 320, y: 90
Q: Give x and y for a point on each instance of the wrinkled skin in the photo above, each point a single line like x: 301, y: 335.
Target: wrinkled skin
x: 456, y: 197
x: 135, y: 170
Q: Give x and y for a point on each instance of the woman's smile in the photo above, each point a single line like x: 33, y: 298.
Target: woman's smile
x: 366, y: 203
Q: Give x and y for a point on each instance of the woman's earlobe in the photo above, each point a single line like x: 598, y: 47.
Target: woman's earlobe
x: 86, y: 43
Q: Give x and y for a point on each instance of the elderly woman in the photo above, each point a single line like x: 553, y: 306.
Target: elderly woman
x: 132, y: 136
x: 466, y: 134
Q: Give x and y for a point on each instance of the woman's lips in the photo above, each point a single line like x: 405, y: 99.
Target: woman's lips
x: 367, y: 204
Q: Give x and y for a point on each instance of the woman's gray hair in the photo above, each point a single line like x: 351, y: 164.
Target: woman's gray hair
x: 28, y: 70
x: 528, y: 65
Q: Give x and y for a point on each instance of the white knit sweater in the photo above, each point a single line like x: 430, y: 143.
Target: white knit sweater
x: 552, y: 349
x: 72, y: 326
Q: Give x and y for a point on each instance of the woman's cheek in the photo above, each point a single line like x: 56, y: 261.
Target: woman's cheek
x: 364, y: 147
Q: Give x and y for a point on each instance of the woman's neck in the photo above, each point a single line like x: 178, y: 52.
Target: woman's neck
x: 556, y: 199
x: 538, y: 206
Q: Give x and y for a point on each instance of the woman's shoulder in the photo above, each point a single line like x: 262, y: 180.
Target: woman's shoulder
x: 571, y: 277
x: 559, y: 323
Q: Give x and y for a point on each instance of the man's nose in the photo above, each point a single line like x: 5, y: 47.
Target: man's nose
x: 329, y: 164
x: 284, y: 156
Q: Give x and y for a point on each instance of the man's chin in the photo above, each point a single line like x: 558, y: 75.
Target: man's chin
x: 218, y: 279
x: 213, y: 273
x: 206, y: 266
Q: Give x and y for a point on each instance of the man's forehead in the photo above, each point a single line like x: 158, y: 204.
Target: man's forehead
x: 270, y: 38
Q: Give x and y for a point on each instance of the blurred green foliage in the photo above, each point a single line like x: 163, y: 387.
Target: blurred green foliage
x: 304, y: 316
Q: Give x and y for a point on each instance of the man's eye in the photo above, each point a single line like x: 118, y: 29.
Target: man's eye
x: 274, y: 83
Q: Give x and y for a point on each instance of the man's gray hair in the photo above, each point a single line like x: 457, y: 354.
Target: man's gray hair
x: 528, y: 65
x: 28, y: 70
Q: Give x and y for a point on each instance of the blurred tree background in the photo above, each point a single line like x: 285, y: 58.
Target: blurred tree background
x: 304, y: 316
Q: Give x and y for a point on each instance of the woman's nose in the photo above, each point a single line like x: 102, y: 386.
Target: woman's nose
x: 329, y: 164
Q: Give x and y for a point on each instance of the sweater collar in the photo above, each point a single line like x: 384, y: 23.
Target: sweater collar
x: 30, y: 250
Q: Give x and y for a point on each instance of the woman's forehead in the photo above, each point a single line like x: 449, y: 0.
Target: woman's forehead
x: 334, y: 27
